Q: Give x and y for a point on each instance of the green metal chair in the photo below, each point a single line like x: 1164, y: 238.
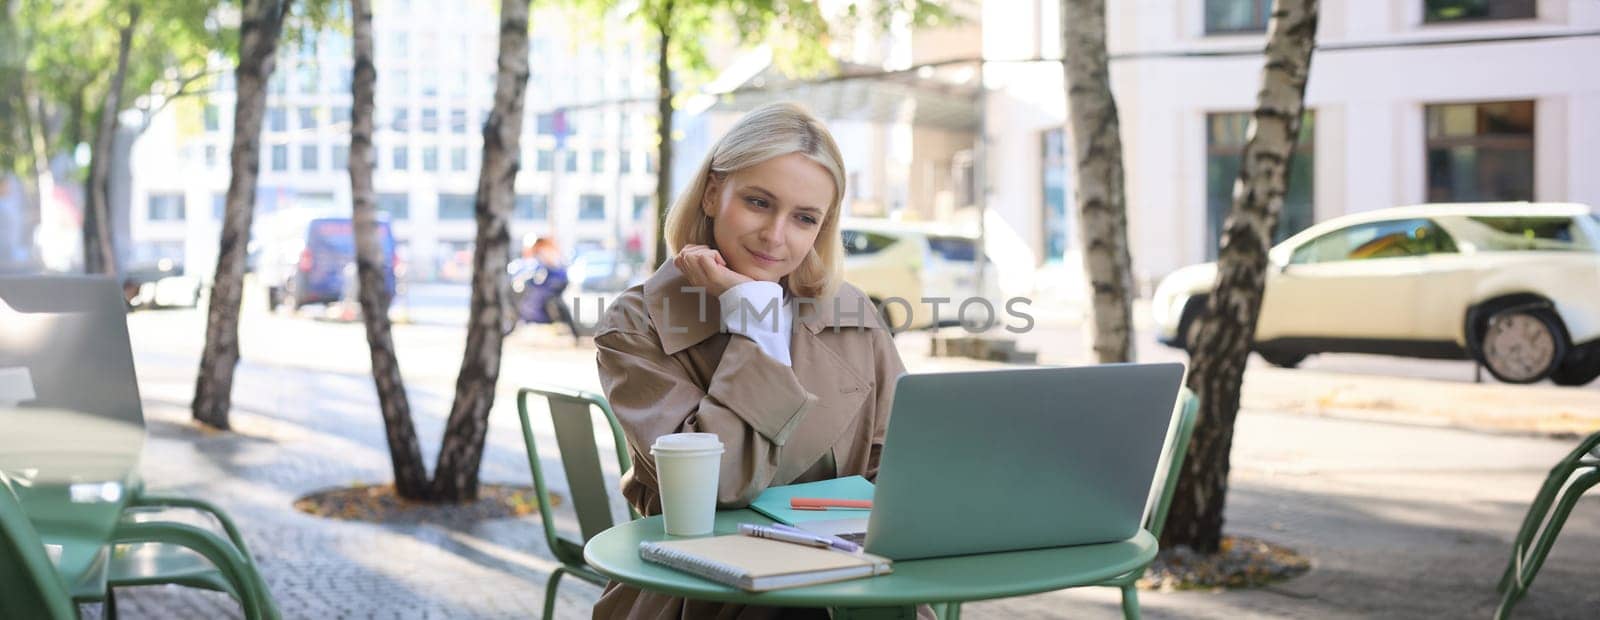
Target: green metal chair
x: 96, y: 307
x: 1172, y: 455
x: 174, y: 561
x: 30, y: 587
x: 571, y: 413
x: 1567, y: 482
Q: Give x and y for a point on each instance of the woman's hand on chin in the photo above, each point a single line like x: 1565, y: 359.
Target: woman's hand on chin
x: 704, y: 267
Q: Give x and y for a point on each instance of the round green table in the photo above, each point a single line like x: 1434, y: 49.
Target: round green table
x: 615, y: 553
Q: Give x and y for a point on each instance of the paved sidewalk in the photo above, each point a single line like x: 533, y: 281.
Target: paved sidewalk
x: 1400, y: 521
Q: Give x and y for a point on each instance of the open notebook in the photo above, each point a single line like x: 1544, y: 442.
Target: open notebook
x: 757, y: 564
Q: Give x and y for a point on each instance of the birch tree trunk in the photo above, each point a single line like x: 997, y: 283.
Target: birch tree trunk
x: 456, y: 475
x: 663, y: 133
x: 258, y: 44
x: 98, y: 255
x: 405, y: 455
x: 1097, y: 175
x: 1226, y: 330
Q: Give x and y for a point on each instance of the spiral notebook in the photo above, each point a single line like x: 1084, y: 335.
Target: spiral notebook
x: 757, y: 564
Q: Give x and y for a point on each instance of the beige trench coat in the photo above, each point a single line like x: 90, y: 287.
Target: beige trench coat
x: 667, y: 367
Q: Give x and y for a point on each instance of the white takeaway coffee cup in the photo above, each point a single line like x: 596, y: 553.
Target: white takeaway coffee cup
x: 688, y: 465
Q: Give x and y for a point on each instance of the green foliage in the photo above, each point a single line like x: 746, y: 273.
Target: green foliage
x: 798, y: 32
x: 66, y: 50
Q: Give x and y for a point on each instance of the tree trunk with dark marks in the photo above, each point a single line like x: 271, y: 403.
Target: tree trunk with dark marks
x: 456, y: 475
x: 1098, y: 182
x: 405, y: 455
x: 1227, y: 329
x: 663, y: 134
x: 258, y: 44
x: 98, y: 255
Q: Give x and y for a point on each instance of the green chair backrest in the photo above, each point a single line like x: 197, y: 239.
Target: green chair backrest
x: 29, y: 584
x: 1188, y: 408
x: 571, y: 414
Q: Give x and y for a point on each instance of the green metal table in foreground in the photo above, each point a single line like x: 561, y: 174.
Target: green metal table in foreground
x: 615, y: 553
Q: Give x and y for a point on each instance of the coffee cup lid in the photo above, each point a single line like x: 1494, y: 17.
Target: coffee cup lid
x: 687, y: 442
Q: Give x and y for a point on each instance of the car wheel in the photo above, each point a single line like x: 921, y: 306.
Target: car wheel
x: 1522, y: 345
x: 1282, y: 359
x: 1580, y: 368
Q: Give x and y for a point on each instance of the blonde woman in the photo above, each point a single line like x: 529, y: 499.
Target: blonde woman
x: 750, y: 333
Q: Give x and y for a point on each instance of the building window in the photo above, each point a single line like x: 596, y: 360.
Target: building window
x: 398, y: 45
x: 402, y: 158
x: 544, y: 160
x: 532, y: 207
x: 597, y: 161
x: 1225, y: 141
x: 166, y: 207
x: 1435, y: 11
x: 591, y: 207
x: 277, y: 119
x: 430, y: 120
x: 430, y: 159
x: 458, y: 121
x: 347, y: 79
x: 401, y: 121
x: 341, y: 157
x: 306, y: 76
x: 341, y: 115
x: 572, y: 160
x: 211, y: 155
x: 213, y: 118
x: 1480, y: 151
x: 625, y: 162
x: 280, y: 157
x: 219, y: 206
x: 397, y: 206
x: 641, y: 207
x: 308, y: 118
x: 430, y: 82
x: 1053, y: 175
x: 458, y: 159
x: 1237, y: 16
x: 649, y: 163
x: 396, y: 82
x: 308, y: 157
x: 455, y: 206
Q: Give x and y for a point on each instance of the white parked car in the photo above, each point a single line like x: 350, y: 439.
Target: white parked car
x: 1515, y: 286
x: 914, y: 261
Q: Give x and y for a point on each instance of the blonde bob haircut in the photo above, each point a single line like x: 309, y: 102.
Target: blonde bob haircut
x: 772, y: 130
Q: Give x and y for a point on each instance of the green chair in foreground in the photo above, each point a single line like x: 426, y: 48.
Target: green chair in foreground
x: 168, y: 555
x: 1562, y: 488
x: 1171, y: 463
x: 29, y: 584
x: 571, y: 413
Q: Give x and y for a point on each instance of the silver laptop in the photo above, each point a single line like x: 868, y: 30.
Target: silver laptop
x: 977, y: 462
x: 64, y: 344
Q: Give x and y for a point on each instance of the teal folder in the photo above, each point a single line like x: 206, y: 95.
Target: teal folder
x: 774, y: 502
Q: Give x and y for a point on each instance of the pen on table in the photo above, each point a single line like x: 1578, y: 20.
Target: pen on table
x: 824, y: 503
x: 799, y: 538
x: 837, y: 542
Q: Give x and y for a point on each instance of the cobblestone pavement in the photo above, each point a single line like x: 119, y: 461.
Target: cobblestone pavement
x: 1400, y: 521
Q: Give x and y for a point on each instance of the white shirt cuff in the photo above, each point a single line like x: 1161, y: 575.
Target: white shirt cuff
x: 756, y: 311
